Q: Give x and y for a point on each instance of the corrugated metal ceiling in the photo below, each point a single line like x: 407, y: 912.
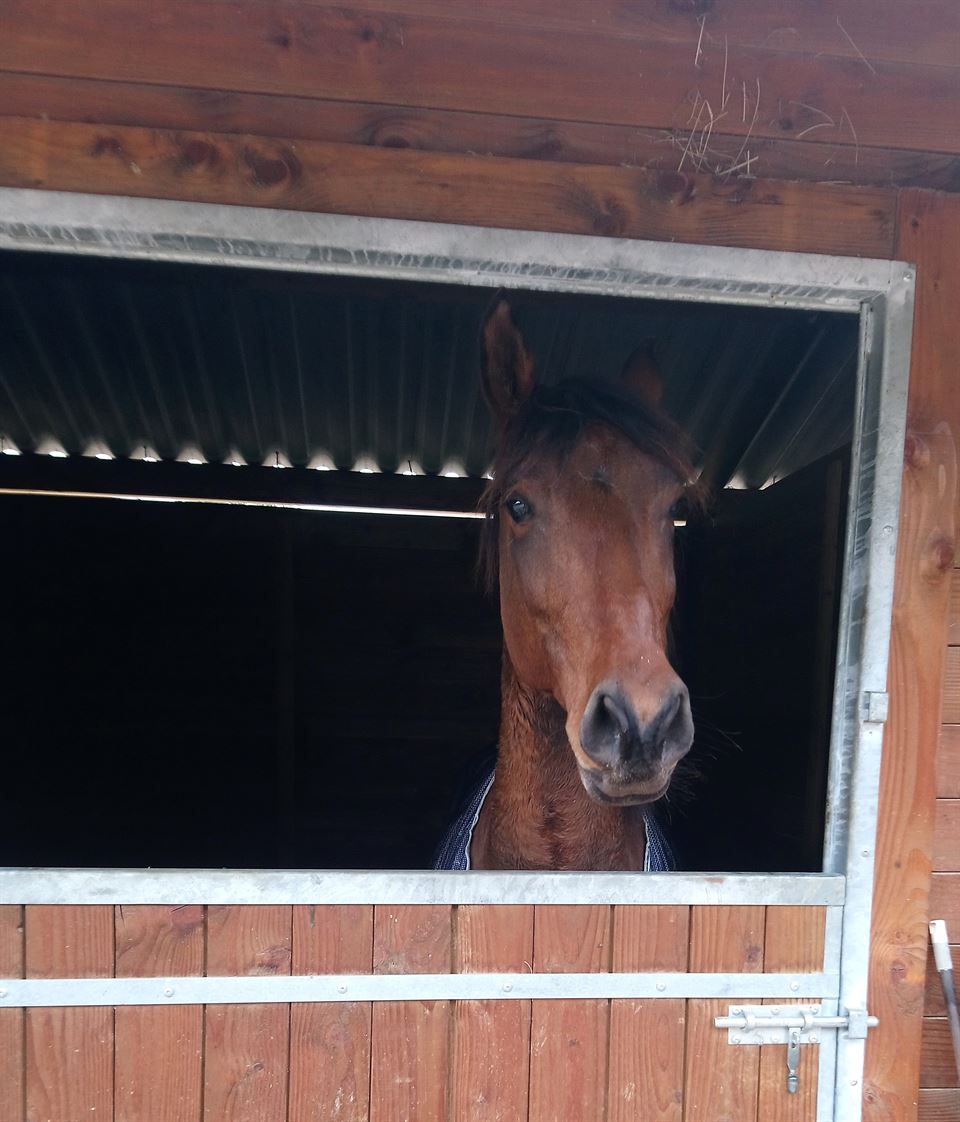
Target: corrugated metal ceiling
x: 355, y: 374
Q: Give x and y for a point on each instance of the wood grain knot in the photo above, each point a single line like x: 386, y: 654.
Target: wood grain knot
x: 394, y: 132
x: 916, y: 452
x: 383, y: 32
x: 107, y: 146
x: 271, y: 170
x: 675, y: 186
x: 186, y: 919
x: 273, y: 960
x: 938, y: 556
x: 543, y: 143
x: 197, y: 153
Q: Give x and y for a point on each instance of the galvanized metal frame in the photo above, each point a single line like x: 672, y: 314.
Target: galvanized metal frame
x: 225, y: 886
x: 405, y: 987
x: 880, y: 292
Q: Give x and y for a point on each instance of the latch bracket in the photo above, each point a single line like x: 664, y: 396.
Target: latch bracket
x: 792, y: 1025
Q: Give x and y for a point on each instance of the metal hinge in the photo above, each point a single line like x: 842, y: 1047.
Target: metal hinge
x: 792, y: 1025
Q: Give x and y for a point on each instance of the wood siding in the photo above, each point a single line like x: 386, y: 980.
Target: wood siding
x: 386, y: 1060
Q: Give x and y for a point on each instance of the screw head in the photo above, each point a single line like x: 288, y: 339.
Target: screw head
x: 735, y: 1039
x: 661, y: 986
x: 507, y: 987
x: 794, y: 985
x: 814, y: 1039
x: 168, y: 991
x: 3, y: 993
x: 341, y: 989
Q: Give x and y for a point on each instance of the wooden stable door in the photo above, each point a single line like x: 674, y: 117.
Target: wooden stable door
x: 419, y: 1060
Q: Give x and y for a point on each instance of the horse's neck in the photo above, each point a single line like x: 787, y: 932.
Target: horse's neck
x: 537, y: 814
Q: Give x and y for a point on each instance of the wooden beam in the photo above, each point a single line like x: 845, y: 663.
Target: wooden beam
x: 478, y: 66
x: 393, y: 183
x: 929, y: 234
x: 444, y: 130
x: 875, y: 32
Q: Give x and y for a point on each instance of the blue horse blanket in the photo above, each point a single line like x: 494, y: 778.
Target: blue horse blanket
x: 454, y: 851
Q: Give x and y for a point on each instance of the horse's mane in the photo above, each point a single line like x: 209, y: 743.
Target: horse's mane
x: 550, y: 422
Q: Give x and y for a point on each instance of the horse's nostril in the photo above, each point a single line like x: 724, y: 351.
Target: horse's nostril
x: 612, y: 735
x: 616, y: 713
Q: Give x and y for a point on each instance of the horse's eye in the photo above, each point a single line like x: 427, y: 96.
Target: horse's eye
x: 519, y: 509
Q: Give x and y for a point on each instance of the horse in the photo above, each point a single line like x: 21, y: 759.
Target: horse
x: 578, y: 537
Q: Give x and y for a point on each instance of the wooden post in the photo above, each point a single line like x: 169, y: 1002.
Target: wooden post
x: 928, y: 234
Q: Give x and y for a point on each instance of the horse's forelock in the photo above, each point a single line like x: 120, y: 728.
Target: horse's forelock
x: 549, y: 424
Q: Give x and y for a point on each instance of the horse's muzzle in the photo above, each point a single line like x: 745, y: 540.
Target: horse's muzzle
x: 634, y: 759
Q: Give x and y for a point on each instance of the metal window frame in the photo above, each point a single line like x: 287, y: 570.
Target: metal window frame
x: 879, y: 292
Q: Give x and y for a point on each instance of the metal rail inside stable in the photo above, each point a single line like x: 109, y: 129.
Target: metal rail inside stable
x: 879, y: 292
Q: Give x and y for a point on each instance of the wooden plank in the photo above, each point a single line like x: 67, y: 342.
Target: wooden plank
x: 159, y: 1050
x: 720, y: 1081
x: 951, y: 687
x: 330, y: 1044
x: 491, y: 1050
x: 794, y: 940
x: 69, y: 1052
x: 929, y: 34
x: 945, y: 900
x: 929, y: 234
x: 479, y: 66
x: 310, y: 175
x: 941, y: 1105
x: 410, y: 1040
x: 647, y: 1037
x: 246, y: 1046
x: 937, y: 1064
x: 442, y: 130
x: 11, y: 1020
x: 946, y: 836
x: 568, y: 1049
x: 953, y: 622
x: 948, y: 763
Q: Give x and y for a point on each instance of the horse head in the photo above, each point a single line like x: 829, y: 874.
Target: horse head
x: 581, y: 510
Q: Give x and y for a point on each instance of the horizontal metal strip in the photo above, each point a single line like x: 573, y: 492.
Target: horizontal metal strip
x: 36, y: 992
x: 339, y: 244
x: 222, y: 886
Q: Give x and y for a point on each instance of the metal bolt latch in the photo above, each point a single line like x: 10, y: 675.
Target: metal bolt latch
x: 792, y: 1025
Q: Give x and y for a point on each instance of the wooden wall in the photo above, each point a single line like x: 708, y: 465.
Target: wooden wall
x: 940, y: 1086
x: 615, y: 118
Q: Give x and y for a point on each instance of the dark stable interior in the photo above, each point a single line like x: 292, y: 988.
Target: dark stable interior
x: 202, y: 686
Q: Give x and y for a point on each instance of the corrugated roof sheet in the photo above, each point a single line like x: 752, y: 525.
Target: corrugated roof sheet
x: 358, y: 373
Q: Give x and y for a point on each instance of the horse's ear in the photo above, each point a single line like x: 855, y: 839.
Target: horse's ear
x: 641, y: 373
x: 508, y: 376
